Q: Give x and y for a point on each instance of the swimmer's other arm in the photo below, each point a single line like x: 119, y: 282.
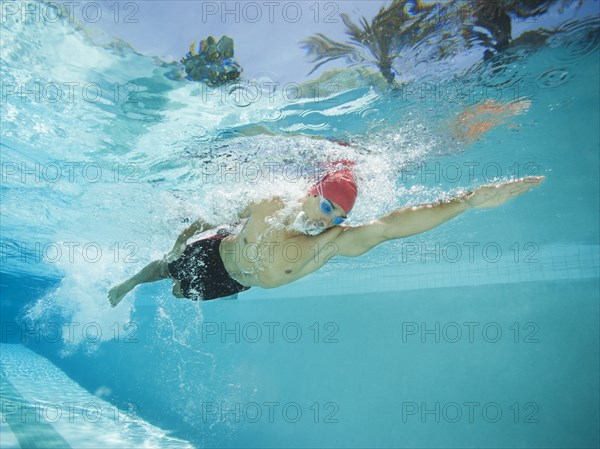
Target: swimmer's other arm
x: 356, y: 240
x: 197, y: 226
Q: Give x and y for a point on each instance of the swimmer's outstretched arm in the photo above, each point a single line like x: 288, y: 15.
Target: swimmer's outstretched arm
x: 356, y: 240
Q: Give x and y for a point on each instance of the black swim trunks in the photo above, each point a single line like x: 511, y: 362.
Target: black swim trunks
x: 201, y: 271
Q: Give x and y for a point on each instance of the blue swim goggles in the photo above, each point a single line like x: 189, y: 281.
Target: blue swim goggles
x: 327, y: 208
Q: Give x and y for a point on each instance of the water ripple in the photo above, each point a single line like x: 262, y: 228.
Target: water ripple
x: 554, y: 78
x: 577, y: 39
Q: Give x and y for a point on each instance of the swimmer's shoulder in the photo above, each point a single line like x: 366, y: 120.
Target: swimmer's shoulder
x: 266, y: 204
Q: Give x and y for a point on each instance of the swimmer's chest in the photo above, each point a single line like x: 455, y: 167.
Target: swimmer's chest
x: 276, y: 248
x: 279, y: 255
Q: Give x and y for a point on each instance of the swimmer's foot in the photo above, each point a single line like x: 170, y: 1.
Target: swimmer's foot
x: 117, y: 293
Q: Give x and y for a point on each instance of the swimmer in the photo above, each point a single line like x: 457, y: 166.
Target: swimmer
x: 225, y: 264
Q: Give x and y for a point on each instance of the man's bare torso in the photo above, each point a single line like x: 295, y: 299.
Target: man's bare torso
x: 270, y: 256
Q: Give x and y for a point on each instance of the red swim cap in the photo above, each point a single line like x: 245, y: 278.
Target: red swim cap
x: 338, y: 186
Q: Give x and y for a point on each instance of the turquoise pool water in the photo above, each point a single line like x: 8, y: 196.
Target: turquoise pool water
x: 480, y: 333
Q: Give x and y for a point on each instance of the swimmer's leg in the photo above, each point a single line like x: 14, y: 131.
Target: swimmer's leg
x: 177, y: 289
x: 234, y: 296
x: 154, y: 271
x: 179, y: 294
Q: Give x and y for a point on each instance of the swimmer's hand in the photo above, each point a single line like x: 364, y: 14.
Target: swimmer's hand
x: 180, y: 244
x: 495, y: 195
